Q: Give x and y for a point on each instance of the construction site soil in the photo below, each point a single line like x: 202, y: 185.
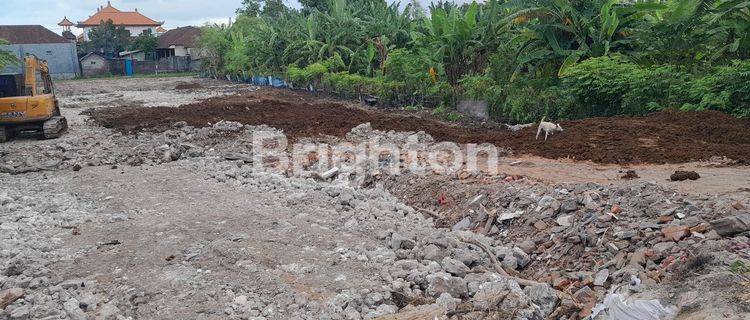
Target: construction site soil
x: 660, y: 137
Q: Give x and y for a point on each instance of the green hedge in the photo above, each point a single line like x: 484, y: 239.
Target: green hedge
x: 609, y: 86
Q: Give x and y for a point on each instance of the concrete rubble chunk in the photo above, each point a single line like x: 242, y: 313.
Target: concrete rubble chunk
x: 462, y: 224
x: 441, y: 282
x: 732, y: 225
x: 564, y: 221
x: 454, y: 267
x: 330, y: 173
x: 20, y: 313
x: 543, y: 296
x: 73, y: 309
x: 8, y: 296
x: 601, y: 277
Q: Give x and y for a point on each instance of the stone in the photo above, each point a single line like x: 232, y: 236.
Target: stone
x: 454, y: 267
x: 601, y: 277
x: 731, y: 225
x: 626, y: 234
x: 510, y: 215
x: 612, y: 247
x: 448, y: 302
x: 616, y: 209
x: 73, y: 309
x: 433, y: 253
x: 585, y: 295
x: 540, y: 225
x: 8, y: 296
x: 510, y: 262
x: 569, y: 206
x: 662, y: 249
x: 400, y: 242
x: 521, y: 256
x: 72, y: 283
x: 373, y: 299
x: 442, y: 282
x: 675, y: 233
x: 490, y: 294
x: 527, y: 246
x: 107, y: 312
x: 564, y: 221
x: 330, y: 173
x: 20, y: 313
x: 545, y: 202
x: 544, y: 297
x: 638, y: 258
x: 463, y: 224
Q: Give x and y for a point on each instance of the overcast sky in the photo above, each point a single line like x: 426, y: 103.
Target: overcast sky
x: 174, y: 13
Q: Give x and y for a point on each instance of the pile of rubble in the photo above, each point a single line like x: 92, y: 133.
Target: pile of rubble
x: 588, y: 240
x: 33, y: 223
x: 104, y: 147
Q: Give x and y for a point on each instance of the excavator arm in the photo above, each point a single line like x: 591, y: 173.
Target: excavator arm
x: 34, y: 67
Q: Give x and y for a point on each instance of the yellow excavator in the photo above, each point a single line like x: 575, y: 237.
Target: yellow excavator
x: 28, y: 103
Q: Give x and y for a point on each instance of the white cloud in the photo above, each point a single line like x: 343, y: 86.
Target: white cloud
x: 174, y: 13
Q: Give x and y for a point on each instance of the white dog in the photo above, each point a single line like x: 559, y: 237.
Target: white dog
x: 548, y: 127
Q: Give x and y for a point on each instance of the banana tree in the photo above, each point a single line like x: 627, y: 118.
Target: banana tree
x: 453, y: 37
x: 561, y: 33
x: 732, y: 26
x: 6, y: 58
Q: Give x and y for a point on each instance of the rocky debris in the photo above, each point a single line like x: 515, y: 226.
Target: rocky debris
x: 732, y: 225
x: 684, y: 175
x: 587, y: 238
x: 365, y: 133
x: 33, y: 222
x: 459, y: 270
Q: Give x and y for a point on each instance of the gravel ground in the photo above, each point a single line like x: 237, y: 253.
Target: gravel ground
x: 103, y: 225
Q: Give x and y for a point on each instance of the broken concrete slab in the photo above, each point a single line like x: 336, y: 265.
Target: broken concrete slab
x: 731, y: 225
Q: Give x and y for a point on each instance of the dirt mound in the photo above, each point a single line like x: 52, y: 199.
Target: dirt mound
x: 188, y: 86
x: 662, y: 137
x: 684, y: 175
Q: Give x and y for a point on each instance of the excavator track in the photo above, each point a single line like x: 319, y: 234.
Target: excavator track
x: 55, y: 127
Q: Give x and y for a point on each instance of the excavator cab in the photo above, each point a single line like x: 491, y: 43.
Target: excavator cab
x: 28, y: 103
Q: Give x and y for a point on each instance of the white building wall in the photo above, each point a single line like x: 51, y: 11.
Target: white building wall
x: 180, y: 51
x: 134, y: 31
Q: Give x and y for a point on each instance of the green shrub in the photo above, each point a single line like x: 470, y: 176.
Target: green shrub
x: 310, y: 75
x: 608, y: 86
x: 725, y: 89
x: 613, y: 86
x: 530, y: 100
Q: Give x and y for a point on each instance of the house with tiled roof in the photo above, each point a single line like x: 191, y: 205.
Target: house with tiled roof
x: 179, y: 42
x: 133, y: 21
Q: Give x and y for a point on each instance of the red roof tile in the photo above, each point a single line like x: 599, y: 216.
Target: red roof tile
x: 65, y: 23
x: 30, y: 35
x: 119, y: 18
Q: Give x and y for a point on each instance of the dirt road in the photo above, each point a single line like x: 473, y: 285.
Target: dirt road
x: 149, y: 218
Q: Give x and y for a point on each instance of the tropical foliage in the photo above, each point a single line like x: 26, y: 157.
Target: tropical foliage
x: 6, y: 58
x: 527, y: 58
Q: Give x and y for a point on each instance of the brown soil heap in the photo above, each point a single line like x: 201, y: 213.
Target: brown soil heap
x: 661, y: 137
x: 684, y: 175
